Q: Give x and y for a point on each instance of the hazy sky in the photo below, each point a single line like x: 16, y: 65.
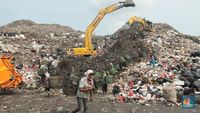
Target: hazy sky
x: 182, y: 14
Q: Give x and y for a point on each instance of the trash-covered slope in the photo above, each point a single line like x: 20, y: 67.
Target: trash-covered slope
x: 171, y: 70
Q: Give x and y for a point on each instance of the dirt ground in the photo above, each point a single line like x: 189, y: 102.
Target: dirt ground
x: 29, y: 102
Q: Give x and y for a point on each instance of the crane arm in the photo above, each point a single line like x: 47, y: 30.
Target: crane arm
x: 100, y: 16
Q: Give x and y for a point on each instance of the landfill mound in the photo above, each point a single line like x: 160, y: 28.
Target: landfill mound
x: 29, y: 41
x: 30, y: 28
x: 171, y: 71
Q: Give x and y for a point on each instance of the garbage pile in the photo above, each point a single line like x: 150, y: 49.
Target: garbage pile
x: 28, y: 28
x: 28, y: 40
x: 170, y: 71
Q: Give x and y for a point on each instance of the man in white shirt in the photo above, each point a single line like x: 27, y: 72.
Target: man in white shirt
x: 86, y: 85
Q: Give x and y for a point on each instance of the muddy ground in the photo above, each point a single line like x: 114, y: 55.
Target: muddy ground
x: 29, y: 102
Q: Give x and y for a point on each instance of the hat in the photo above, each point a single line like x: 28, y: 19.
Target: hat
x: 88, y: 72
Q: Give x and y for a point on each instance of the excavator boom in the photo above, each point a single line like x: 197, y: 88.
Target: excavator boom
x: 88, y: 49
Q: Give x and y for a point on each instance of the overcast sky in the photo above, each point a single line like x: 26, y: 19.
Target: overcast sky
x: 182, y: 14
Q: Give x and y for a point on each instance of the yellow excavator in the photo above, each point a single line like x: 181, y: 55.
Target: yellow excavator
x: 140, y: 24
x: 9, y: 78
x: 88, y: 49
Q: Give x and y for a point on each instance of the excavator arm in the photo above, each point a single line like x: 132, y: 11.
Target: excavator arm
x: 88, y: 49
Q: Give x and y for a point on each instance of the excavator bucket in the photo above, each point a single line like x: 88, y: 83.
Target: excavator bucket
x: 9, y: 78
x: 149, y: 26
x: 129, y: 3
